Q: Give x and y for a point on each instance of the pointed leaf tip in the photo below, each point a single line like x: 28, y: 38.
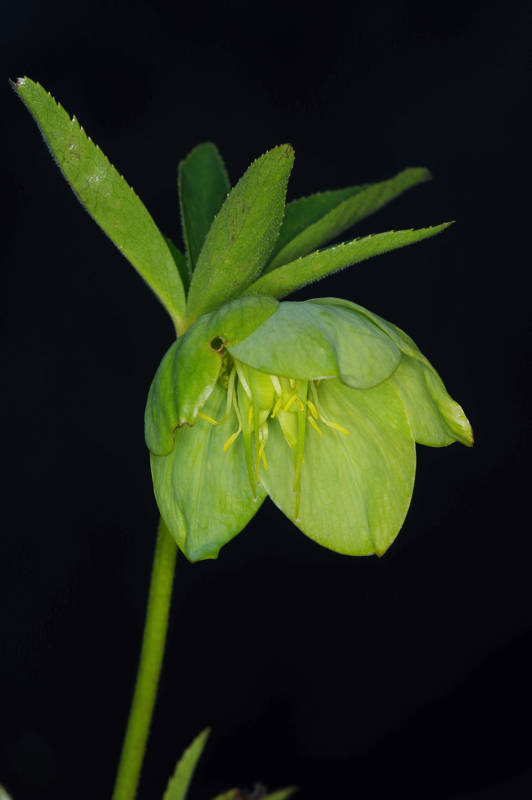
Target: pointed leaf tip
x: 203, y: 186
x: 106, y: 196
x: 287, y: 278
x: 179, y: 783
x: 243, y: 233
x: 311, y: 222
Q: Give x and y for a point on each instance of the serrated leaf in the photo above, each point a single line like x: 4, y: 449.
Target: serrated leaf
x: 180, y: 781
x: 180, y: 262
x: 203, y: 493
x: 305, y: 211
x: 356, y: 484
x: 290, y: 277
x: 106, y: 196
x: 347, y: 213
x: 243, y: 234
x: 203, y: 186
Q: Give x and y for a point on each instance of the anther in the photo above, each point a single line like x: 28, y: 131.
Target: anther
x: 207, y: 418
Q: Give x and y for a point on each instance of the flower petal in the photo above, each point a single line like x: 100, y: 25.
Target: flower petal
x: 309, y: 341
x: 188, y: 372
x: 435, y: 418
x: 356, y: 488
x: 204, y: 494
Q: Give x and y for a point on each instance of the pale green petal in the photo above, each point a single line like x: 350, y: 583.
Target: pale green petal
x: 401, y: 339
x: 356, y: 488
x: 188, y: 372
x: 435, y: 418
x: 204, y: 494
x: 308, y: 341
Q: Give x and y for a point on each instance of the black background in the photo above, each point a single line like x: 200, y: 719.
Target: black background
x: 361, y: 678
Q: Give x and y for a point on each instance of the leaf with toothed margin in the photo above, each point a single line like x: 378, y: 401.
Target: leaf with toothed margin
x: 305, y: 211
x: 106, y: 196
x: 243, y: 234
x: 179, y: 783
x: 203, y: 186
x: 188, y: 372
x: 354, y: 207
x: 203, y: 493
x: 290, y: 277
x: 180, y: 262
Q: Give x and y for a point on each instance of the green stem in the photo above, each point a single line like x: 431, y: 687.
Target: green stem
x: 151, y: 659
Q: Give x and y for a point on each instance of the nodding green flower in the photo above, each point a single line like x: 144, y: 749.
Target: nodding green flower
x: 317, y: 404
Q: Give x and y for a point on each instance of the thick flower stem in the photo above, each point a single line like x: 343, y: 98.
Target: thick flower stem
x: 151, y: 659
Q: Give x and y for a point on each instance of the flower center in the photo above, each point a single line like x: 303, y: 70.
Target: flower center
x: 259, y: 399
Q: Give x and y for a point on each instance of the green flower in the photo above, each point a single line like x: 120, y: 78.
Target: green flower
x: 317, y: 404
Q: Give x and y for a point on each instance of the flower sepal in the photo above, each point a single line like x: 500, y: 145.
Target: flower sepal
x: 192, y: 366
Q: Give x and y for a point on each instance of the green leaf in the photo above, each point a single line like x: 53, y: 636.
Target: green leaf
x: 3, y: 794
x: 106, y: 196
x: 290, y: 277
x: 355, y: 487
x: 203, y: 493
x: 178, y: 785
x: 310, y: 341
x: 180, y: 262
x: 190, y: 369
x: 303, y: 212
x: 347, y: 213
x: 243, y: 234
x: 232, y: 794
x: 203, y: 186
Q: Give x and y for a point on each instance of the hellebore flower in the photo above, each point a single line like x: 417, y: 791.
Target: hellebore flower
x: 317, y: 404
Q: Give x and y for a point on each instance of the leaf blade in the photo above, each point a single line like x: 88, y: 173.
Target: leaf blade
x: 203, y: 185
x: 179, y: 783
x: 243, y: 234
x: 352, y: 209
x: 305, y: 211
x: 288, y: 278
x: 106, y: 196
